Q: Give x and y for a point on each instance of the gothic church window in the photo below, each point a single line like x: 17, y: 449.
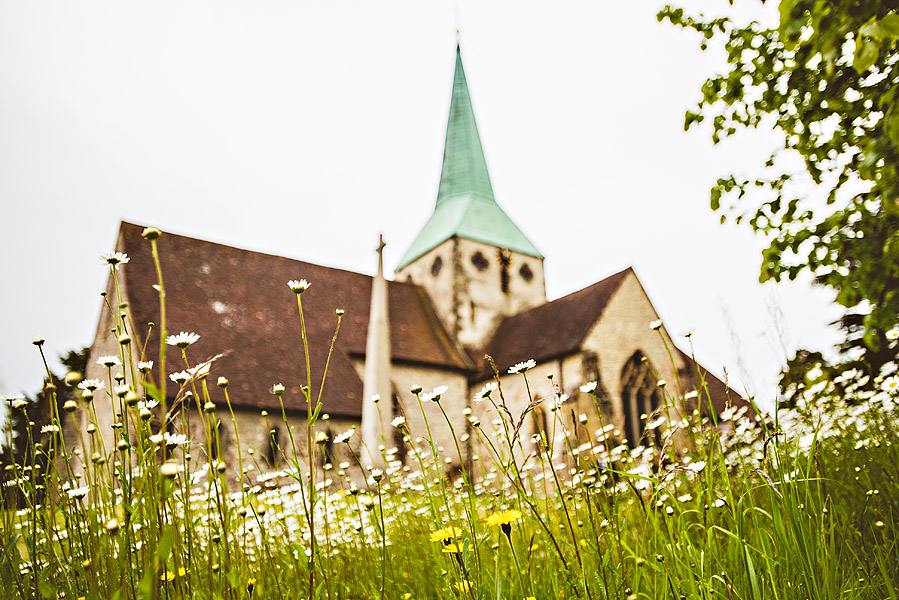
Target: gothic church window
x: 216, y: 441
x: 639, y: 398
x: 398, y: 435
x: 328, y: 454
x: 271, y: 453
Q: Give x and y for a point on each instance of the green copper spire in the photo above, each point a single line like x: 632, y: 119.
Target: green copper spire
x: 465, y: 204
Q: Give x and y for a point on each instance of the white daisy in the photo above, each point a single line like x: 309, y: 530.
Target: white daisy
x: 145, y: 366
x: 522, y: 367
x: 435, y: 395
x: 180, y: 377
x: 485, y: 392
x: 588, y: 387
x: 656, y: 325
x: 399, y: 422
x: 114, y: 259
x: 109, y: 361
x: 344, y: 437
x: 78, y: 492
x: 182, y: 340
x: 278, y: 389
x: 298, y: 287
x: 92, y: 385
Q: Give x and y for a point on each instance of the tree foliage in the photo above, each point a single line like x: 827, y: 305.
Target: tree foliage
x: 825, y: 77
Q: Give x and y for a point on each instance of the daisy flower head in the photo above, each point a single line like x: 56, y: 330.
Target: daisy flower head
x: 182, y: 340
x: 399, y: 422
x: 109, y: 361
x: 91, y: 384
x: 655, y: 325
x: 588, y: 387
x: 180, y: 377
x: 504, y: 519
x: 522, y: 367
x: 278, y: 389
x: 435, y: 395
x: 114, y: 259
x: 446, y: 535
x: 891, y: 384
x: 485, y: 392
x: 201, y: 370
x: 145, y: 366
x: 298, y: 286
x: 172, y: 440
x: 344, y: 438
x: 78, y: 492
x: 50, y: 429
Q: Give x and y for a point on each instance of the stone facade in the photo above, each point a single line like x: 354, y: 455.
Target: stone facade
x: 474, y: 285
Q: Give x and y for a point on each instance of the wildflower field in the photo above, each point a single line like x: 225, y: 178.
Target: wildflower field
x: 799, y: 503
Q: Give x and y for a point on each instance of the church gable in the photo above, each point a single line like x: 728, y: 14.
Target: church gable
x: 555, y: 329
x: 623, y: 330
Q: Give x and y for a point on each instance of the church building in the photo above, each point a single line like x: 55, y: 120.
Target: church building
x: 471, y: 285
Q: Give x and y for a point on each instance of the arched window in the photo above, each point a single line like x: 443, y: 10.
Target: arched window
x: 216, y: 440
x: 639, y: 397
x: 274, y: 446
x: 328, y: 453
x: 398, y: 441
x: 541, y: 422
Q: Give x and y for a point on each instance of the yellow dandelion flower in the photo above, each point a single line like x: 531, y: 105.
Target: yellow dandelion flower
x: 446, y: 535
x: 407, y: 595
x: 464, y: 586
x: 167, y: 575
x: 504, y: 518
x: 531, y: 598
x: 452, y: 549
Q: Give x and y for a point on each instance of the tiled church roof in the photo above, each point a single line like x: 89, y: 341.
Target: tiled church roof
x: 239, y: 303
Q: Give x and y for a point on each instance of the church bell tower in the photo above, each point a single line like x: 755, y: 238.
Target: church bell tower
x: 470, y: 257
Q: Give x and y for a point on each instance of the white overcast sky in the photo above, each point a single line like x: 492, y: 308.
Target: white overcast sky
x: 306, y: 128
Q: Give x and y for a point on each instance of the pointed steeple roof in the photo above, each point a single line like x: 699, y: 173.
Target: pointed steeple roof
x: 465, y: 204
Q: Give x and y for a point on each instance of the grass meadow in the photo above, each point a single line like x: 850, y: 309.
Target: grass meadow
x: 800, y: 503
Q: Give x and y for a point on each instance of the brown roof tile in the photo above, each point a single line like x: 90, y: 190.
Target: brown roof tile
x: 239, y: 303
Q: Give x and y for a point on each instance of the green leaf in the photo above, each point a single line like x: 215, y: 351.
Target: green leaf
x: 891, y: 125
x: 790, y: 27
x: 153, y: 391
x: 715, y: 202
x: 886, y: 28
x: 866, y: 53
